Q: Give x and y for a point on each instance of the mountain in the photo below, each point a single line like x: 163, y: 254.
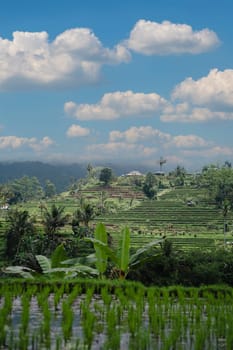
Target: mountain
x: 60, y: 174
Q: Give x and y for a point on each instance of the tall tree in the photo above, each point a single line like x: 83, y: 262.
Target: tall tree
x: 219, y: 185
x: 27, y: 187
x: 89, y: 170
x: 50, y: 189
x: 150, y: 186
x: 106, y: 176
x: 179, y: 175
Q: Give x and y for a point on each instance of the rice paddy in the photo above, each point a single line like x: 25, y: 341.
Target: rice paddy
x: 92, y: 315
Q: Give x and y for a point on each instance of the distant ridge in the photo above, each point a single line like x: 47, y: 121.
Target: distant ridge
x: 60, y: 174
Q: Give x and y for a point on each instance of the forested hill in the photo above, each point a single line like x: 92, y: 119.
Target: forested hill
x: 61, y: 175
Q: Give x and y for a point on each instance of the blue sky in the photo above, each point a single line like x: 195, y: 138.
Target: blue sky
x: 117, y: 81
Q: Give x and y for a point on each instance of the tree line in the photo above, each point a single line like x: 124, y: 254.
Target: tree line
x: 25, y: 189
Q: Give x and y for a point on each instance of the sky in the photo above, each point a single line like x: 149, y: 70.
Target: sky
x: 120, y: 82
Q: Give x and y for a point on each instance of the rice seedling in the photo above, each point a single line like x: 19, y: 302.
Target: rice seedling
x: 67, y: 320
x: 112, y: 330
x: 57, y: 296
x: 124, y: 316
x: 25, y: 315
x: 88, y: 323
x: 5, y: 320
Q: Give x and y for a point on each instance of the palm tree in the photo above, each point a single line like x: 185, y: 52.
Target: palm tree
x: 53, y: 220
x: 161, y: 162
x: 19, y: 225
x: 89, y: 170
x: 85, y: 214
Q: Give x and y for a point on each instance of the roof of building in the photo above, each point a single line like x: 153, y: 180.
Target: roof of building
x: 134, y: 173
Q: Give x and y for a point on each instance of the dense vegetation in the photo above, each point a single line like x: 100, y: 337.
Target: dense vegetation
x: 163, y: 230
x: 195, y: 214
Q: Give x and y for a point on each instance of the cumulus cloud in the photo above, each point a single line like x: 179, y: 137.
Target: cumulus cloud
x: 40, y: 145
x: 146, y: 144
x: 137, y: 134
x: 142, y: 134
x: 189, y: 141
x: 211, y: 152
x: 193, y: 115
x: 15, y: 142
x: 208, y: 98
x: 77, y: 131
x: 120, y: 150
x: 214, y: 90
x: 73, y: 57
x: 152, y: 38
x: 76, y: 56
x: 117, y: 104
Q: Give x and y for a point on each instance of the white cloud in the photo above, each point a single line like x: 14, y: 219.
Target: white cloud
x: 193, y: 115
x: 77, y: 131
x: 189, y: 141
x: 137, y: 134
x: 142, y: 134
x: 152, y: 38
x: 214, y: 90
x: 208, y: 98
x: 74, y: 57
x: 145, y: 145
x: 15, y: 142
x: 41, y: 145
x: 119, y: 150
x: 211, y: 152
x: 117, y: 104
x: 46, y: 141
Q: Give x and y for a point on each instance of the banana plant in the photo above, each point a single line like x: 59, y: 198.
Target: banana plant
x: 122, y: 260
x: 56, y: 266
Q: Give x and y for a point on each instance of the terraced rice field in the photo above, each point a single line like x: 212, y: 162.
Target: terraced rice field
x: 187, y: 226
x: 160, y: 213
x: 199, y: 226
x: 125, y: 192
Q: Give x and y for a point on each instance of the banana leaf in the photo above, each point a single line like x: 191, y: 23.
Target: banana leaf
x: 22, y: 271
x: 58, y: 256
x: 143, y: 254
x: 101, y: 255
x: 105, y: 248
x: 84, y: 260
x: 44, y: 262
x: 123, y: 253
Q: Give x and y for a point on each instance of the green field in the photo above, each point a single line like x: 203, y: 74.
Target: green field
x: 95, y: 315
